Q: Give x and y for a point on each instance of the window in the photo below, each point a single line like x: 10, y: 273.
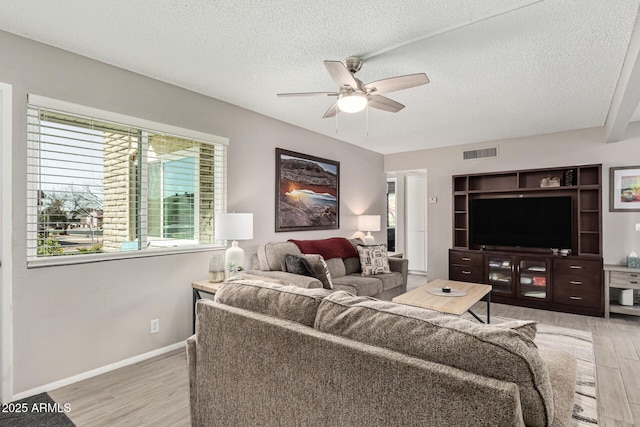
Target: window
x: 101, y: 186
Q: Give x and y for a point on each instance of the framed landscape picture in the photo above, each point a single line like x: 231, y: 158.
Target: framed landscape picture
x: 624, y: 192
x: 307, y: 192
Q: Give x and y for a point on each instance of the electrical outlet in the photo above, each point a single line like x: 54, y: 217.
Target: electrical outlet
x: 433, y: 199
x: 154, y: 326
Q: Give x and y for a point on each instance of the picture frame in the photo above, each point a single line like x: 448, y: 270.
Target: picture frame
x: 624, y: 189
x: 307, y: 192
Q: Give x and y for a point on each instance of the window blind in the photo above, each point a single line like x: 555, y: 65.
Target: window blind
x: 97, y: 187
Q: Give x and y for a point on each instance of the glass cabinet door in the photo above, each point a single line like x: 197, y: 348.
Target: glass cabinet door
x: 534, y: 278
x: 501, y: 274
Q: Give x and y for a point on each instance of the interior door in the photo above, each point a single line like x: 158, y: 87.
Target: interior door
x: 416, y: 195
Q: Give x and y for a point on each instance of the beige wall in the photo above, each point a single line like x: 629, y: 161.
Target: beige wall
x: 72, y: 319
x: 541, y: 151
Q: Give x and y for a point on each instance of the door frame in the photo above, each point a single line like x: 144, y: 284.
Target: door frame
x: 6, y: 235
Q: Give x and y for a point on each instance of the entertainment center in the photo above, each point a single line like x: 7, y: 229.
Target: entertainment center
x: 534, y: 235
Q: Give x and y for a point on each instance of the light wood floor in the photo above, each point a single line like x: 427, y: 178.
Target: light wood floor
x: 156, y: 392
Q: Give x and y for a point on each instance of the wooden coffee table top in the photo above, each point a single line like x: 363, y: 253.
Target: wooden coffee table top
x: 419, y: 296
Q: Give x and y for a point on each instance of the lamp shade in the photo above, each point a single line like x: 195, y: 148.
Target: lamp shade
x: 234, y: 226
x: 369, y: 222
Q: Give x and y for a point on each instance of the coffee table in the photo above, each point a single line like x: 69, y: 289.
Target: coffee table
x: 457, y: 305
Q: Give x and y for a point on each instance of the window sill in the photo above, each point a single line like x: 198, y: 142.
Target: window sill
x: 89, y: 258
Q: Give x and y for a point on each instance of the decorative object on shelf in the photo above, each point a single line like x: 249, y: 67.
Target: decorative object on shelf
x: 569, y: 178
x: 369, y: 223
x: 307, y: 192
x: 234, y: 226
x: 216, y: 268
x: 624, y: 192
x: 548, y: 181
x: 633, y: 261
x: 626, y: 297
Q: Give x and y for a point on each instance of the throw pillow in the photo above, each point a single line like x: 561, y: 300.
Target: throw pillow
x: 320, y: 269
x: 373, y: 259
x: 298, y: 265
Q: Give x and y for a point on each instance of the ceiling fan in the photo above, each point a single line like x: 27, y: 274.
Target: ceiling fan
x: 354, y: 96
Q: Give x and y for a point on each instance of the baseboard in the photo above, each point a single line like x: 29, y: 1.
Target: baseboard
x: 98, y: 371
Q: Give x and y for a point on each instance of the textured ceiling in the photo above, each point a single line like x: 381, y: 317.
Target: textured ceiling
x: 548, y: 67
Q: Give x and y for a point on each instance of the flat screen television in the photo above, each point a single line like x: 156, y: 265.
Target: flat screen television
x: 531, y: 222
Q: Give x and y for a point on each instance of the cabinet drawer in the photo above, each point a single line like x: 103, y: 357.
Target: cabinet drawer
x: 573, y: 268
x: 465, y: 273
x: 577, y: 296
x: 466, y: 258
x: 623, y: 279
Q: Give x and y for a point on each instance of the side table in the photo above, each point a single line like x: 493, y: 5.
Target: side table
x: 202, y: 286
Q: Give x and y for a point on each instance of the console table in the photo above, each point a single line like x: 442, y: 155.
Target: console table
x: 620, y: 277
x: 201, y: 286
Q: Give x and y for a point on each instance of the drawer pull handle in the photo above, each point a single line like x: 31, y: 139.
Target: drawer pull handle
x: 575, y: 267
x: 464, y: 258
x: 633, y: 275
x: 465, y: 272
x: 576, y: 282
x: 633, y: 282
x: 575, y: 298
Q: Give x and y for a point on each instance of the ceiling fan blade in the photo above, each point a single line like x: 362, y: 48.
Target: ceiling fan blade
x: 309, y: 94
x: 340, y: 74
x: 332, y: 111
x: 397, y: 83
x: 383, y: 103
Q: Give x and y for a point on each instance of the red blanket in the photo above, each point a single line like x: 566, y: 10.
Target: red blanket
x: 334, y: 247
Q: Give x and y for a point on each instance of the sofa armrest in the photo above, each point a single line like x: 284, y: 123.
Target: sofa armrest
x: 288, y: 278
x: 401, y: 265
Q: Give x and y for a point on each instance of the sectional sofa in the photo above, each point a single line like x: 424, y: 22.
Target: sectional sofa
x: 274, y: 355
x: 343, y: 264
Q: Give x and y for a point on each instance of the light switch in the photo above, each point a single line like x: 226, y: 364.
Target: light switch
x: 435, y: 200
x: 637, y: 227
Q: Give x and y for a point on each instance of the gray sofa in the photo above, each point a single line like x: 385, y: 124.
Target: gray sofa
x: 274, y: 355
x: 345, y: 272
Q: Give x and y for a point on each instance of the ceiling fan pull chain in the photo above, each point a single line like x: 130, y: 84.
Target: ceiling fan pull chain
x: 337, y: 113
x: 367, y: 120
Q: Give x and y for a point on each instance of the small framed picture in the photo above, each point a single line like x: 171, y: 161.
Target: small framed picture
x: 624, y: 189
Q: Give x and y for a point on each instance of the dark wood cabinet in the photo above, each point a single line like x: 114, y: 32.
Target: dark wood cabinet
x: 528, y: 276
x: 569, y: 284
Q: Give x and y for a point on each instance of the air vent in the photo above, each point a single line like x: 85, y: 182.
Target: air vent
x: 480, y: 153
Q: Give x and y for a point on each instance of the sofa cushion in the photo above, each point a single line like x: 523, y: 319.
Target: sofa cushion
x: 336, y: 267
x: 271, y: 255
x: 298, y: 265
x: 351, y: 265
x: 320, y: 269
x: 486, y: 350
x: 373, y: 259
x: 358, y: 285
x: 285, y: 302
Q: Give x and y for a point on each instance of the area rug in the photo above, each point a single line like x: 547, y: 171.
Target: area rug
x: 580, y: 345
x: 35, y: 411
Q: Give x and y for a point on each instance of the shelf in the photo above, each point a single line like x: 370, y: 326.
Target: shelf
x: 624, y: 286
x: 633, y: 310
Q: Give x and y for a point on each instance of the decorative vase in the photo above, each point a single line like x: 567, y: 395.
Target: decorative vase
x: 216, y: 268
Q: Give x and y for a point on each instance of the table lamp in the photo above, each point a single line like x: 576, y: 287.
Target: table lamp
x: 369, y: 223
x: 234, y: 227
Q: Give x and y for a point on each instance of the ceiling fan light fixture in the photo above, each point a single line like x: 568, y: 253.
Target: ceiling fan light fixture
x: 352, y: 102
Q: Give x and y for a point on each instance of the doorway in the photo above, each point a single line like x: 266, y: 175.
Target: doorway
x: 408, y: 189
x: 6, y: 352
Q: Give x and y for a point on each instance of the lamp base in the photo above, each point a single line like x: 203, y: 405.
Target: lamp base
x: 369, y: 239
x: 233, y: 260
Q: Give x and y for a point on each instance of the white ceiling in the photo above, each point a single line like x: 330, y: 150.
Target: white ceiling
x: 548, y: 67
